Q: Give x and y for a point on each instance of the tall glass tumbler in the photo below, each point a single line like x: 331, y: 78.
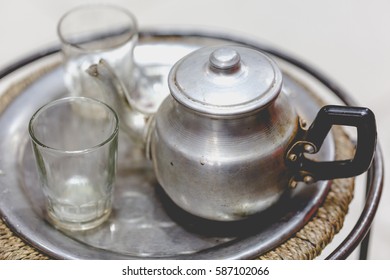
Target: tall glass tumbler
x: 75, y: 143
x: 89, y: 33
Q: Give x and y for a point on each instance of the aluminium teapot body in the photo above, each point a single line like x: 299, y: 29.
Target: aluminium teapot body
x: 223, y: 168
x: 227, y: 142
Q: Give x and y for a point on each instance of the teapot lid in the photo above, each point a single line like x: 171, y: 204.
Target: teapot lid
x: 225, y: 80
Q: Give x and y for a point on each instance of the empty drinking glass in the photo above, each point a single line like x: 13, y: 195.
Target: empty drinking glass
x: 75, y: 143
x: 93, y: 32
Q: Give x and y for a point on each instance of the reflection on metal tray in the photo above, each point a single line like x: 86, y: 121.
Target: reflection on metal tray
x: 144, y: 223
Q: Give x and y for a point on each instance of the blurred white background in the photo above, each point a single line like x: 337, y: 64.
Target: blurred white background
x: 347, y: 40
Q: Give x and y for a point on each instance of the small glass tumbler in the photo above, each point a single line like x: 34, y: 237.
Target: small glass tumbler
x: 75, y: 142
x: 89, y: 33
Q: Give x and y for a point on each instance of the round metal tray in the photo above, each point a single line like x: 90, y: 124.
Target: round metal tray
x: 145, y: 224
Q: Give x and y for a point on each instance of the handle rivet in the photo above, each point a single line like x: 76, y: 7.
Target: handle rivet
x: 293, y: 184
x: 303, y: 123
x: 308, y: 179
x: 308, y: 148
x: 292, y: 157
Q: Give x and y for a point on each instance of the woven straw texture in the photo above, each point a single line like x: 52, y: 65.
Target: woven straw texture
x: 305, y: 244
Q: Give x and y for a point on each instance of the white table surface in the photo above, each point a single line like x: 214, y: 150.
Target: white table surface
x: 347, y: 40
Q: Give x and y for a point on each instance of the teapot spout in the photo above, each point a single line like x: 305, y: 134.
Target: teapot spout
x: 115, y: 94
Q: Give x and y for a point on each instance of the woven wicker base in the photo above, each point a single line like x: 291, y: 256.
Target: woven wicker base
x: 305, y: 244
x: 13, y: 248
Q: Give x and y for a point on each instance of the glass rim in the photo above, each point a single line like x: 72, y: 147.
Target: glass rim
x: 108, y: 139
x: 66, y: 42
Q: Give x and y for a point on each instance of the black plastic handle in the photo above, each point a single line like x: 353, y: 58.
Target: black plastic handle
x: 308, y: 170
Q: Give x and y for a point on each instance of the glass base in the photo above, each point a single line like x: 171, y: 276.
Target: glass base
x: 77, y: 226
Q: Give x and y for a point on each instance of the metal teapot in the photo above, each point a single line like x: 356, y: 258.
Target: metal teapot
x: 227, y: 142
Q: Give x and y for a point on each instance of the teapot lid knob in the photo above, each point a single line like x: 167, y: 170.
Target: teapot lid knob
x: 225, y: 58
